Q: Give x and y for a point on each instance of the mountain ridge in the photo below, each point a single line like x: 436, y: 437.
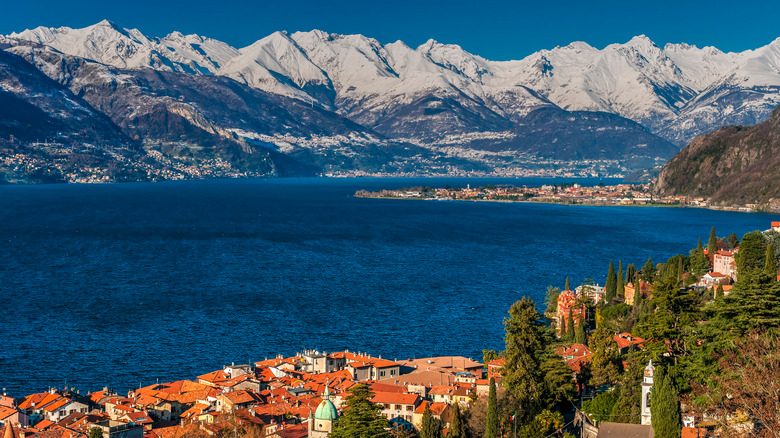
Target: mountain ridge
x: 661, y: 88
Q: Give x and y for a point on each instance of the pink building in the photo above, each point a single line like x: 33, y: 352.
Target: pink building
x: 723, y: 263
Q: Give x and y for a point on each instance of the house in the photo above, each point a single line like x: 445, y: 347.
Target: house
x: 645, y: 289
x: 776, y: 227
x: 118, y: 429
x: 442, y: 393
x: 397, y: 405
x: 568, y: 302
x: 623, y: 430
x: 626, y: 342
x: 494, y: 368
x: 138, y: 417
x: 452, y: 364
x: 711, y: 279
x: 595, y: 293
x: 723, y: 263
x: 439, y: 411
x: 228, y: 401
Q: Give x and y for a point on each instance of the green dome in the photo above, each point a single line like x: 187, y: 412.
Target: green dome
x: 326, y: 411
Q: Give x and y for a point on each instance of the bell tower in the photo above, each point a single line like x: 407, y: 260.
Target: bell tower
x: 647, y: 385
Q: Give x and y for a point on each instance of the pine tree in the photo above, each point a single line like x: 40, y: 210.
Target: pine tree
x: 712, y: 246
x: 770, y: 265
x: 491, y: 422
x: 567, y: 284
x: 620, y: 289
x: 665, y: 407
x: 648, y: 271
x: 430, y: 427
x: 579, y: 335
x: 719, y: 292
x: 95, y: 432
x: 570, y: 327
x: 362, y: 417
x: 699, y: 262
x: 611, y: 284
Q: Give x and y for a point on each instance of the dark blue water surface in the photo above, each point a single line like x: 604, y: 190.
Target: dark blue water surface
x: 124, y: 284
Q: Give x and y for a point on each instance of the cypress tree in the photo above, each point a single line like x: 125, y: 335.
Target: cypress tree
x: 430, y: 427
x: 611, y: 284
x: 712, y: 246
x: 680, y: 270
x: 637, y: 296
x: 567, y: 284
x: 665, y: 408
x: 621, y: 290
x: 630, y: 274
x: 770, y: 266
x: 457, y: 425
x: 579, y: 335
x: 491, y: 422
x: 719, y: 292
x: 570, y: 327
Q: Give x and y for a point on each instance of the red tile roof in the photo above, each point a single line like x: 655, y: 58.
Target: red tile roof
x: 395, y: 398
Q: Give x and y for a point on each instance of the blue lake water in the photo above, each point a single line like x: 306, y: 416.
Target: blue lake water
x: 124, y: 284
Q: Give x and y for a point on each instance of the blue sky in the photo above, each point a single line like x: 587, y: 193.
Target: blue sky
x: 496, y: 30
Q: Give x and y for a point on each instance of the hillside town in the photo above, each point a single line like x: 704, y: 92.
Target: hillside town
x: 599, y: 357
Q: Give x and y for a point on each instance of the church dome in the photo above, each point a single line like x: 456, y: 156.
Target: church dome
x: 326, y: 411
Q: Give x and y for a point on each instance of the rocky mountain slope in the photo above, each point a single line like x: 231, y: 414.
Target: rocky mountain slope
x: 736, y: 165
x: 313, y: 102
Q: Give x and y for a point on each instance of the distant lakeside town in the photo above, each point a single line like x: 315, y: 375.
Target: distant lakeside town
x: 565, y: 193
x: 684, y: 333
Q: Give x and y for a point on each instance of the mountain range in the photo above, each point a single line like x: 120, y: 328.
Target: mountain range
x: 313, y: 102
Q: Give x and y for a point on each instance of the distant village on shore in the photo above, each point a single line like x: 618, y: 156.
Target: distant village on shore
x: 566, y: 193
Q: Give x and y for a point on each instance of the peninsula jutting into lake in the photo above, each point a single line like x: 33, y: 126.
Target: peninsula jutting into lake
x: 564, y: 193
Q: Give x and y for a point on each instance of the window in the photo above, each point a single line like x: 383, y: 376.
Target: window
x: 387, y: 406
x: 398, y: 407
x: 392, y: 373
x: 381, y: 374
x: 408, y: 407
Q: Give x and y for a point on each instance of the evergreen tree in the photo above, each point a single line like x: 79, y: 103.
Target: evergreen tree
x: 362, y: 418
x: 630, y: 274
x: 491, y: 422
x: 95, y: 432
x: 648, y: 271
x: 664, y: 406
x: 567, y: 284
x: 430, y: 427
x: 770, y: 265
x: 551, y: 300
x: 569, y: 337
x: 733, y: 240
x: 611, y: 284
x: 637, y: 296
x: 712, y: 246
x: 719, y: 292
x: 605, y: 363
x: 579, y: 335
x: 524, y: 354
x: 699, y: 262
x: 457, y: 425
x: 751, y: 256
x: 628, y: 406
x: 620, y: 290
x: 680, y: 269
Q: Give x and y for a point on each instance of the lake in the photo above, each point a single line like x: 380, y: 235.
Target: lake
x: 120, y: 285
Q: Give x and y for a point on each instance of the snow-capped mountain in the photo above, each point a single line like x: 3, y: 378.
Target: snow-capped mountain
x: 678, y: 91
